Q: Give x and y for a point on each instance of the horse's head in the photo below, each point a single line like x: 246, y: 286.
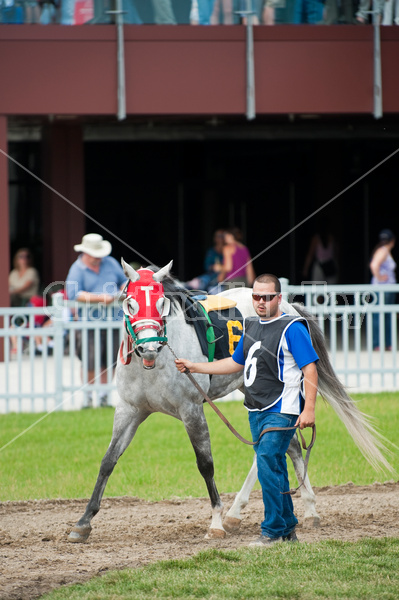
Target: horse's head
x: 145, y: 307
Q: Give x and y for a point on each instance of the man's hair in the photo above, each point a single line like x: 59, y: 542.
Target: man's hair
x: 269, y: 278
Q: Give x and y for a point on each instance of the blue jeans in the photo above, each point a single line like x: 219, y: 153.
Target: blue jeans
x: 205, y: 9
x: 308, y: 11
x: 389, y: 298
x: 272, y: 471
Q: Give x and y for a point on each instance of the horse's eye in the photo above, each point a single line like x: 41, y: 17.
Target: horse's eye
x: 133, y: 306
x: 159, y: 305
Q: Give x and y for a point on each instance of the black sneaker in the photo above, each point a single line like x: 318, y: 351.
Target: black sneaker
x: 291, y: 537
x: 265, y: 540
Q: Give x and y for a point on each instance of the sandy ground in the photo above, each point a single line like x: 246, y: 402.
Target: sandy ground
x: 35, y: 556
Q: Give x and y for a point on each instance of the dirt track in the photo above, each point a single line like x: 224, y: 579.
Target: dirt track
x: 35, y: 556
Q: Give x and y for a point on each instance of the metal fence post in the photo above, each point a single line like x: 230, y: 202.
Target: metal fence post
x: 57, y: 317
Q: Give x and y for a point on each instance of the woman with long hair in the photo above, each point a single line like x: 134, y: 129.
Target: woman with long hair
x: 237, y: 266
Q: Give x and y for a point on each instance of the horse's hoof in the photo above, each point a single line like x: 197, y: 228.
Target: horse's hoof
x: 79, y: 534
x: 311, y: 522
x: 214, y: 534
x: 231, y: 524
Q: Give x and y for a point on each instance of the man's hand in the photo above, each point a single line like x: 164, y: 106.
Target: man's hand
x: 182, y: 364
x: 307, y: 418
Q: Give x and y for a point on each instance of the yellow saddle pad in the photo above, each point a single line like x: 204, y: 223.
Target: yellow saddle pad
x: 217, y: 303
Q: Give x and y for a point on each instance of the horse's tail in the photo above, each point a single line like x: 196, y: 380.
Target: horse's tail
x: 369, y: 441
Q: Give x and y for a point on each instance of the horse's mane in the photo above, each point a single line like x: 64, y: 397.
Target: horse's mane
x: 175, y: 291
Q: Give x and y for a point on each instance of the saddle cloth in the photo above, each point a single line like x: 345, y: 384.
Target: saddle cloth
x: 226, y: 319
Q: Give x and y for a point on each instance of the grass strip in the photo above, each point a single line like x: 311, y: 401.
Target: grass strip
x: 60, y: 456
x: 330, y: 570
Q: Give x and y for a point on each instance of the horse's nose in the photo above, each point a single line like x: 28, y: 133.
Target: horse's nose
x: 148, y: 348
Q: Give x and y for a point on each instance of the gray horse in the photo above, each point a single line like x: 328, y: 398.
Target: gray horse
x: 148, y: 381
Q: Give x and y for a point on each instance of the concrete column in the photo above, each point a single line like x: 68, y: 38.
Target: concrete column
x: 4, y: 222
x: 63, y: 219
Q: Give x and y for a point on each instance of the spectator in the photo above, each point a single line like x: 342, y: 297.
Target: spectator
x: 31, y: 11
x: 268, y: 11
x: 382, y: 267
x: 23, y: 281
x: 336, y: 11
x: 212, y: 265
x: 95, y: 277
x: 237, y: 263
x: 321, y: 260
x: 131, y: 15
x: 67, y: 12
x: 308, y: 11
x: 163, y: 12
x: 222, y: 9
x: 363, y: 12
x: 205, y: 10
x: 49, y: 12
x: 391, y: 12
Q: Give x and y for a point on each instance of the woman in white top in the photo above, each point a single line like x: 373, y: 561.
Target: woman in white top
x: 382, y: 267
x: 23, y: 281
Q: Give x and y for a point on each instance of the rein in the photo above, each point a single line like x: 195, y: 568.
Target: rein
x: 268, y: 429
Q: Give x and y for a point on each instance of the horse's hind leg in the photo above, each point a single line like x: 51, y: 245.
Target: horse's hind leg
x: 232, y: 520
x: 197, y: 430
x: 311, y: 518
x: 126, y: 423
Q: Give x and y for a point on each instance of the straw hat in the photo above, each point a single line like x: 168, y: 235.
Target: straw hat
x: 94, y: 245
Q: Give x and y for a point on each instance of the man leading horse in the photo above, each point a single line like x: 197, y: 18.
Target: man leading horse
x: 280, y: 378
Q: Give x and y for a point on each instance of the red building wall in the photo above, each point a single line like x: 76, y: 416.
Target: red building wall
x: 187, y: 70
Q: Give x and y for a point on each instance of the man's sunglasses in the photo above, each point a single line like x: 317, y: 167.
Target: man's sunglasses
x: 264, y: 297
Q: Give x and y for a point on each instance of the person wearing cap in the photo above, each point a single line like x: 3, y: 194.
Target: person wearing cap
x: 383, y: 267
x: 96, y: 277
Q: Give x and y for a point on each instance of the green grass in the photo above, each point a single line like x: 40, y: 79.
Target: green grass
x: 60, y: 456
x: 328, y: 570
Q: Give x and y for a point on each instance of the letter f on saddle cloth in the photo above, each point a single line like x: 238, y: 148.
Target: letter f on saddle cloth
x: 280, y: 377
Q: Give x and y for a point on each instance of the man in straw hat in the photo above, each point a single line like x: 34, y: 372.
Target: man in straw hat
x: 96, y: 277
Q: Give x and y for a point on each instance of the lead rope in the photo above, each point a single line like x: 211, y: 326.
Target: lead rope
x: 242, y: 439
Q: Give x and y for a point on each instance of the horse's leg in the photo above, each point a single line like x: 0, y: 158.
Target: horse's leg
x: 233, y: 519
x: 198, y: 432
x: 126, y: 423
x: 311, y: 518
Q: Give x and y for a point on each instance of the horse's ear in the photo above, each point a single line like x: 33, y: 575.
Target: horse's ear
x: 162, y: 273
x: 129, y: 271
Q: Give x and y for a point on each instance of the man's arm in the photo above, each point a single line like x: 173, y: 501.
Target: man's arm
x: 219, y: 367
x: 90, y: 297
x: 307, y: 417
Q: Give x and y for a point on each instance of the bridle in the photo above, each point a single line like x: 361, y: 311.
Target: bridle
x: 134, y: 323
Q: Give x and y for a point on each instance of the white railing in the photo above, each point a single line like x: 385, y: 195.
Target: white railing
x: 57, y: 380
x: 54, y: 379
x: 345, y: 315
